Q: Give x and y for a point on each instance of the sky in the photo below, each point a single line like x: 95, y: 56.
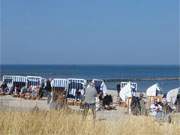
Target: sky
x: 133, y: 32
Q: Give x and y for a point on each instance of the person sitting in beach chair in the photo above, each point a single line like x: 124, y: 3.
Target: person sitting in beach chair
x: 78, y: 94
x: 155, y: 109
x: 11, y: 90
x: 90, y: 100
x: 28, y: 92
x: 16, y: 90
x: 23, y: 91
x: 35, y: 92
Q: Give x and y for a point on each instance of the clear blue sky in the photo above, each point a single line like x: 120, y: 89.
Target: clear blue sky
x: 89, y: 32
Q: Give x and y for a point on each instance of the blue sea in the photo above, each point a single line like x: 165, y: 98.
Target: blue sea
x: 168, y: 77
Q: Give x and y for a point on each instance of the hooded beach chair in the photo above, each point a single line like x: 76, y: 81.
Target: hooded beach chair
x: 172, y: 98
x: 8, y: 79
x: 59, y: 89
x: 100, y: 85
x: 19, y: 81
x: 74, y: 85
x: 152, y: 93
x: 35, y: 82
x: 128, y: 90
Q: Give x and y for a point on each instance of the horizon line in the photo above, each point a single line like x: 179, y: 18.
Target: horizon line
x: 89, y: 64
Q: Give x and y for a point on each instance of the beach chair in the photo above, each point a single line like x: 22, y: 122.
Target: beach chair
x: 8, y: 79
x: 173, y: 99
x: 35, y: 82
x: 152, y: 93
x: 18, y: 83
x: 128, y: 90
x: 59, y: 89
x: 75, y: 84
x: 100, y: 85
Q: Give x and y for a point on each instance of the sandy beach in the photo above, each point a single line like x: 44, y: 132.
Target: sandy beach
x: 9, y: 103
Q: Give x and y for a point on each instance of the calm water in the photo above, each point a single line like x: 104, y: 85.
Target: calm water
x: 166, y: 76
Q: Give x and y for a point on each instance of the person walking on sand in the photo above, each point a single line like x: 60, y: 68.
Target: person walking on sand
x: 90, y: 100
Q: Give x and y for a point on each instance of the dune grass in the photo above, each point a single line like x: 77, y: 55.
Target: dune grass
x: 71, y: 123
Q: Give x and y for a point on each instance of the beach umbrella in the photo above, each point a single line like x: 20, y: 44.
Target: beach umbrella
x: 172, y: 95
x: 152, y: 90
x: 126, y: 92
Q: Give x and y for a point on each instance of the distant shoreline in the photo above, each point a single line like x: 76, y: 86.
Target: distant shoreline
x: 143, y: 79
x: 123, y: 65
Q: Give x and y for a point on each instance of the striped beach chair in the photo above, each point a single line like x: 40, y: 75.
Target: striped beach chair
x: 59, y: 89
x: 19, y: 81
x: 75, y: 84
x: 8, y: 79
x: 35, y: 82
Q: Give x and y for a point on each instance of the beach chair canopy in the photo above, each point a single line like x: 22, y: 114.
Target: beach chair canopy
x: 152, y: 90
x: 126, y: 91
x: 22, y: 79
x: 100, y: 85
x: 35, y: 80
x: 133, y: 85
x: 8, y: 79
x: 59, y: 83
x: 75, y: 84
x: 171, y: 96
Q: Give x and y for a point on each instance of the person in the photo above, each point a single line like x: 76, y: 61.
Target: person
x: 107, y: 101
x: 142, y: 102
x: 78, y: 94
x: 118, y: 89
x: 4, y: 87
x: 90, y: 100
x: 41, y: 90
x: 23, y: 90
x: 17, y: 90
x: 135, y: 105
x: 48, y: 89
x: 156, y: 109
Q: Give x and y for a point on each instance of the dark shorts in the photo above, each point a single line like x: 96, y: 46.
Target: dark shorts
x: 89, y: 106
